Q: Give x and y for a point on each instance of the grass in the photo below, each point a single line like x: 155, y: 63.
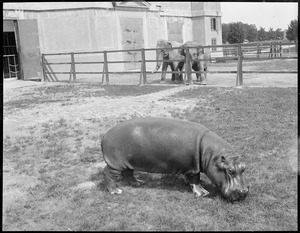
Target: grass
x: 267, y: 65
x: 65, y: 93
x: 264, y: 65
x: 260, y: 123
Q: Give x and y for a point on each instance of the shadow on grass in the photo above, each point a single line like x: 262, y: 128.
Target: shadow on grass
x: 168, y: 81
x: 158, y: 181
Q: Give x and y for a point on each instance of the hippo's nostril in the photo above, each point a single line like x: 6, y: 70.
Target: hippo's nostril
x: 246, y: 190
x: 238, y: 195
x: 243, y: 195
x: 235, y: 196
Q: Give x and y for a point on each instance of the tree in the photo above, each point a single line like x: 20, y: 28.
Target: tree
x: 261, y: 34
x: 292, y: 31
x: 225, y: 32
x: 271, y: 34
x: 236, y: 33
x: 251, y: 32
x: 279, y: 34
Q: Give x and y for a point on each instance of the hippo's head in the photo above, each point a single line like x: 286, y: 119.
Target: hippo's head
x: 226, y: 174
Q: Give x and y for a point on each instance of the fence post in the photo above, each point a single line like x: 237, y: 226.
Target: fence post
x: 144, y: 66
x: 187, y: 67
x: 43, y: 68
x: 73, y: 67
x: 106, y: 67
x: 239, y: 77
x: 103, y: 74
x: 141, y: 76
x: 70, y: 78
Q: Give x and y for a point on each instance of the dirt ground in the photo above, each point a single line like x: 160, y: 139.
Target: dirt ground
x: 214, y: 79
x: 83, y: 111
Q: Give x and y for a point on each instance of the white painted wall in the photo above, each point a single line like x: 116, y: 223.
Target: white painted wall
x: 8, y: 26
x: 67, y: 28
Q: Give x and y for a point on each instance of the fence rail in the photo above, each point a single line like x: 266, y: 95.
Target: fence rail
x: 10, y: 66
x: 230, y: 52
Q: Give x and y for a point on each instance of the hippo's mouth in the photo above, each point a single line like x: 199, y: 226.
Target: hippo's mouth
x: 236, y: 195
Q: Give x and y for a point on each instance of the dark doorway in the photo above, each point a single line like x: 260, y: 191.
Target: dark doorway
x: 10, y: 56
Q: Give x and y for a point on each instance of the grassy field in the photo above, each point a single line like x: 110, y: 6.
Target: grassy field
x: 56, y: 163
x: 64, y: 93
x: 264, y: 65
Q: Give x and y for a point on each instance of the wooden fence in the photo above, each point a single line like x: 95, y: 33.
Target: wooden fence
x: 235, y: 52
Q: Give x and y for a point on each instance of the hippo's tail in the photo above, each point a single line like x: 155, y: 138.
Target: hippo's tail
x: 105, y: 154
x: 102, y: 144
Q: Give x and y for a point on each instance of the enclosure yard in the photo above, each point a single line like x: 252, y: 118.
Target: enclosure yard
x: 52, y: 174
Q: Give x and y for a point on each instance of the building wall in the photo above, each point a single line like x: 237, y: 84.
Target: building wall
x: 89, y: 34
x: 199, y: 30
x: 55, y: 5
x: 8, y: 26
x: 178, y: 9
x: 96, y: 26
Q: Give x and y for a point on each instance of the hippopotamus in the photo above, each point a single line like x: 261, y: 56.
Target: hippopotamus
x: 171, y: 146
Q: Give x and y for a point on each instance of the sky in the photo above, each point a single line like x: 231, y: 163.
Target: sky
x: 262, y: 14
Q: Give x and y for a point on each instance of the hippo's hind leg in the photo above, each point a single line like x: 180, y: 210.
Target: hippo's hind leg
x: 128, y: 175
x: 194, y: 180
x: 111, y: 176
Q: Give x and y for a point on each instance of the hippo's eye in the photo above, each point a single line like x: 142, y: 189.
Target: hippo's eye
x: 231, y: 172
x: 242, y: 169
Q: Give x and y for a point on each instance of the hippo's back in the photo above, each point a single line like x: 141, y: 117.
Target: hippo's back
x: 152, y: 144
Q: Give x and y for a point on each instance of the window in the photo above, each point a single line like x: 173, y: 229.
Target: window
x: 175, y: 31
x: 213, y: 24
x: 213, y: 42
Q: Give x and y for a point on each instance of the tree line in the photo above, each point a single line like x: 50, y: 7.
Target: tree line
x: 239, y: 32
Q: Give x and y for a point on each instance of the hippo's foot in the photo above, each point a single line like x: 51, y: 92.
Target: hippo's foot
x: 129, y: 177
x: 115, y: 191
x: 163, y: 82
x: 199, y: 191
x: 185, y: 180
x: 135, y: 182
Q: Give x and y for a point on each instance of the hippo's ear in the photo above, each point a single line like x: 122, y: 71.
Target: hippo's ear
x: 169, y: 45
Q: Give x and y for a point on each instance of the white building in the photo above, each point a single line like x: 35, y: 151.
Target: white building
x: 57, y: 27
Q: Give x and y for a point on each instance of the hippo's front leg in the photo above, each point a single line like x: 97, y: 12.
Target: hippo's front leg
x: 198, y: 190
